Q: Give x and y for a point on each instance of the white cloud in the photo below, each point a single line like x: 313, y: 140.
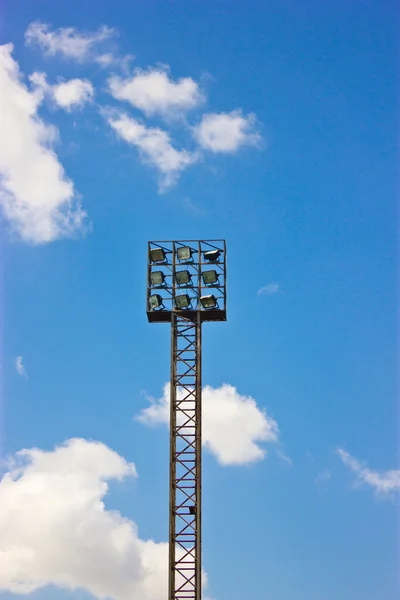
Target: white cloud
x: 269, y: 289
x: 233, y: 425
x: 37, y: 197
x: 105, y: 60
x: 71, y: 94
x: 56, y: 530
x: 226, y: 132
x: 283, y: 457
x: 67, y: 41
x: 154, y: 146
x: 153, y: 92
x: 323, y: 477
x: 19, y: 365
x: 383, y: 482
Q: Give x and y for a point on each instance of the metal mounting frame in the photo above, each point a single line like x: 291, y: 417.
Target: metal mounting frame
x: 195, y: 289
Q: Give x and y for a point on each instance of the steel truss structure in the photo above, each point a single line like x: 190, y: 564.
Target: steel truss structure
x: 185, y: 551
x: 185, y: 462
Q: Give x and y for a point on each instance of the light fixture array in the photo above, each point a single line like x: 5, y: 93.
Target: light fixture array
x: 187, y: 277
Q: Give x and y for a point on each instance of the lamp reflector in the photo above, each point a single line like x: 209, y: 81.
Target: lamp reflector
x: 184, y: 253
x: 182, y: 301
x: 182, y: 277
x: 210, y: 277
x: 208, y: 301
x: 157, y: 255
x: 157, y: 277
x: 212, y: 255
x: 155, y: 301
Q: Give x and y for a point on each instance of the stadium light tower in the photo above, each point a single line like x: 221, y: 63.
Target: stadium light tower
x: 186, y: 285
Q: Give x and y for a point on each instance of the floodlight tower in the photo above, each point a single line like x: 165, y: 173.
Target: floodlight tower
x: 186, y: 285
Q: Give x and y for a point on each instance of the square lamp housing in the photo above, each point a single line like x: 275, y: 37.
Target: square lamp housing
x: 155, y: 301
x: 182, y: 277
x: 208, y: 301
x: 212, y: 255
x: 182, y: 301
x: 210, y: 277
x: 157, y: 255
x: 157, y: 277
x: 184, y: 253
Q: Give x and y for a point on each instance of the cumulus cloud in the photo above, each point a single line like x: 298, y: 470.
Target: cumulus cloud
x: 69, y: 95
x: 154, y: 146
x: 56, y: 530
x: 384, y: 482
x: 20, y: 368
x: 269, y: 289
x: 36, y: 196
x: 154, y: 92
x: 226, y: 132
x: 234, y: 427
x: 73, y: 93
x: 68, y: 41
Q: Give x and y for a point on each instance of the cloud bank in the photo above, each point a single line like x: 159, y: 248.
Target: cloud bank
x: 55, y: 529
x: 36, y: 195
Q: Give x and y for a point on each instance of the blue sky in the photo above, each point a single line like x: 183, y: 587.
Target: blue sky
x: 272, y: 125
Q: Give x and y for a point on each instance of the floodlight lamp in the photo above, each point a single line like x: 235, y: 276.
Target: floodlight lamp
x: 210, y: 277
x: 155, y: 301
x: 184, y: 253
x: 212, y: 255
x: 208, y: 301
x: 182, y: 301
x: 157, y: 277
x: 183, y: 277
x: 157, y: 255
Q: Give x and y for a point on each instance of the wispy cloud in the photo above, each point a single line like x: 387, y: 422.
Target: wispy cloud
x: 269, y: 289
x: 192, y: 206
x: 323, y: 476
x: 283, y: 457
x: 383, y: 482
x: 70, y: 42
x: 155, y: 147
x: 19, y: 365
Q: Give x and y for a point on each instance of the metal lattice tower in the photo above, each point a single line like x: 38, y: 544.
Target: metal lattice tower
x: 185, y: 463
x: 183, y: 290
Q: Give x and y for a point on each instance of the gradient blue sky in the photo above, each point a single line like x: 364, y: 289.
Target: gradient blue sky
x: 313, y: 208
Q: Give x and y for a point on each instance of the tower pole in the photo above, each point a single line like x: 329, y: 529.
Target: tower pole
x: 185, y: 459
x: 186, y: 286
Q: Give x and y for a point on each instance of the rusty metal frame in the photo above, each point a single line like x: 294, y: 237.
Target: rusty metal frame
x: 185, y: 462
x: 185, y: 550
